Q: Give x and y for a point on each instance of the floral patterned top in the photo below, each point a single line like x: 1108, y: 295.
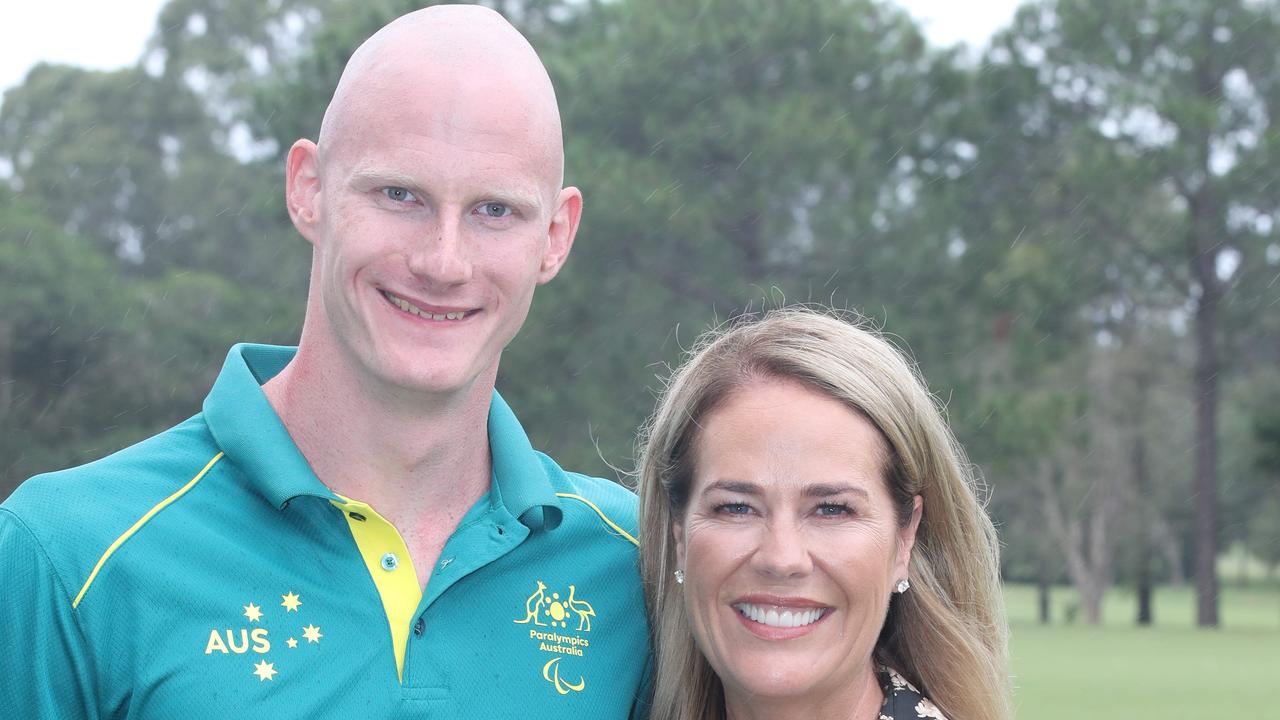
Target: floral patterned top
x: 902, y: 701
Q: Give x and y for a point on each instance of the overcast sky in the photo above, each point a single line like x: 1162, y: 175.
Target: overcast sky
x: 107, y: 35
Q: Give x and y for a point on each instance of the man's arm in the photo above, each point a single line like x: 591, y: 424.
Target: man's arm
x: 44, y: 669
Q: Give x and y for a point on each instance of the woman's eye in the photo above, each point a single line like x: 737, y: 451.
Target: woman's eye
x: 734, y: 508
x: 494, y: 210
x: 834, y: 510
x: 398, y: 194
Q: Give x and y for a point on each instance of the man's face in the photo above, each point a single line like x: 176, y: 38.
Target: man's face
x: 436, y: 214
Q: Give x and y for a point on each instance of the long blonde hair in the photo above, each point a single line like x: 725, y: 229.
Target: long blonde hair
x: 947, y: 635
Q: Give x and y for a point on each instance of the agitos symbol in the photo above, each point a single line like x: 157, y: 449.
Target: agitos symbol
x: 551, y: 673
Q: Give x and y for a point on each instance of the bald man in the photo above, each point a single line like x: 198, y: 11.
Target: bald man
x: 357, y: 527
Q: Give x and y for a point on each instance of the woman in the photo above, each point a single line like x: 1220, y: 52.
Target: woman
x: 812, y: 542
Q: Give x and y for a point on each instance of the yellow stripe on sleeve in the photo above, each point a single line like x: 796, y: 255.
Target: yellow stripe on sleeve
x: 138, y: 525
x: 603, y: 517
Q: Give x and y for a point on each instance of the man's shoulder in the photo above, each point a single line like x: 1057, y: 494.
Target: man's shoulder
x: 74, y: 513
x: 595, y: 503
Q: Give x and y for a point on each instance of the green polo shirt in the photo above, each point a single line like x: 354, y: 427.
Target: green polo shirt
x: 207, y: 573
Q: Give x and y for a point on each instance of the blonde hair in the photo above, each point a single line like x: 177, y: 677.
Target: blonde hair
x: 947, y: 635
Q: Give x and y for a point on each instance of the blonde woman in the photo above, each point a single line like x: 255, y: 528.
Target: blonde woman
x: 812, y: 542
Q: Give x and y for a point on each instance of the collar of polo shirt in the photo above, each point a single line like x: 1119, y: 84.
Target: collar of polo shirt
x: 252, y: 436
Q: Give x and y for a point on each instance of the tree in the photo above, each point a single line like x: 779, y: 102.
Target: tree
x: 1179, y: 94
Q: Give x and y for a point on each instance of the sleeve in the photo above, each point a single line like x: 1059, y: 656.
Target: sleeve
x: 44, y: 667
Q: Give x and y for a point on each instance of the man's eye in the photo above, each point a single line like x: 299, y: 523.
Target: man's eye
x: 494, y: 210
x: 398, y: 194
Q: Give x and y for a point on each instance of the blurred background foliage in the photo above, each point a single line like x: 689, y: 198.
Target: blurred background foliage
x: 1073, y: 233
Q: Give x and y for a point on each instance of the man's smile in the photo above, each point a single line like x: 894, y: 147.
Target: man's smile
x: 428, y: 313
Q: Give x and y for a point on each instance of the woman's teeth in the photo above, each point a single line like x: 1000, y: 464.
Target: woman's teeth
x: 772, y: 617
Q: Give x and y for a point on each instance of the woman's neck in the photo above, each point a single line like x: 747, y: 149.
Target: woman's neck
x: 860, y: 700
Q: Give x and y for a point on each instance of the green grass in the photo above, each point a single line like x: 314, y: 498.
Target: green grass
x: 1170, y: 671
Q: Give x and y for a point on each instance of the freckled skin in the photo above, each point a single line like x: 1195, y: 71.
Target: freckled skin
x: 788, y: 500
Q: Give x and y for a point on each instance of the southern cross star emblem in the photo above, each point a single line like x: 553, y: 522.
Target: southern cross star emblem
x: 265, y: 671
x: 253, y: 636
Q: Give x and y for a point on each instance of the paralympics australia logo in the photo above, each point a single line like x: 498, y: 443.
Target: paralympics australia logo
x: 558, y: 622
x: 252, y: 636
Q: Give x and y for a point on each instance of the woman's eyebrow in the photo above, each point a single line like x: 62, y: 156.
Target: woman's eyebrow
x: 827, y: 490
x: 735, y: 486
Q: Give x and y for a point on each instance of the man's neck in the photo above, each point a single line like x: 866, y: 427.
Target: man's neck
x: 421, y: 461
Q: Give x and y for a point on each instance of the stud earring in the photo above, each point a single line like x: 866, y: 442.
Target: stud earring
x: 903, y: 586
x: 679, y: 577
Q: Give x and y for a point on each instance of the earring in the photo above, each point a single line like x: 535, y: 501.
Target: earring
x: 903, y: 586
x: 679, y: 577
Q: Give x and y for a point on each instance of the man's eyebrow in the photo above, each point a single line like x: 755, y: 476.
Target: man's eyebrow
x: 517, y: 197
x: 382, y: 177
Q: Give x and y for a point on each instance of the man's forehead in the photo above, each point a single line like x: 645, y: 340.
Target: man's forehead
x: 462, y: 76
x: 434, y: 148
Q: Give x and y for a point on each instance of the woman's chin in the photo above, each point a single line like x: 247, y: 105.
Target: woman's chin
x: 780, y: 682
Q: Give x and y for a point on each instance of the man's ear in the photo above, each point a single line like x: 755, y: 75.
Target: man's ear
x: 907, y: 537
x: 564, y: 226
x: 302, y: 188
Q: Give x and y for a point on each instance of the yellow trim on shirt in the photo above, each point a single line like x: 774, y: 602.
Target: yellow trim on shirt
x: 398, y: 587
x: 603, y: 517
x: 138, y: 525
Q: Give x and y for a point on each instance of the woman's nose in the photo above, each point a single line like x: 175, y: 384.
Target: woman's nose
x: 781, y: 551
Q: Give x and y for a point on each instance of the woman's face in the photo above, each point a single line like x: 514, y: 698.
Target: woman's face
x: 789, y: 544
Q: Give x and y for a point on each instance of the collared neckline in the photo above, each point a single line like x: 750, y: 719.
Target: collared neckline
x: 520, y: 481
x: 248, y: 430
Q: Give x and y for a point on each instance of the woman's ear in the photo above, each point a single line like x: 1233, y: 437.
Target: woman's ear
x: 677, y: 534
x: 907, y: 538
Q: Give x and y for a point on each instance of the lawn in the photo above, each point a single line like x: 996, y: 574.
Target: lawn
x: 1169, y: 671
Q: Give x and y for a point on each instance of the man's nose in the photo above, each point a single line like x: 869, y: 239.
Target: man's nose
x: 441, y: 255
x: 782, y: 551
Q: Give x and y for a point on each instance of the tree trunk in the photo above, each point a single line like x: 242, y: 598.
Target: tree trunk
x: 1042, y: 592
x: 1171, y: 547
x: 1085, y: 547
x: 1144, y: 589
x: 1142, y: 483
x: 1091, y: 597
x: 1206, y: 446
x: 1207, y: 227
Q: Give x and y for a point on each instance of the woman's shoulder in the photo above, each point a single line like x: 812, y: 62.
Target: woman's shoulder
x: 902, y: 701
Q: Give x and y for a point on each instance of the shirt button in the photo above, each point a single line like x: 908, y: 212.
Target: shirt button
x: 390, y: 562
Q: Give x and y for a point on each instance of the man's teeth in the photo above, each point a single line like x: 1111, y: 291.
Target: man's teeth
x: 772, y: 617
x: 412, y: 309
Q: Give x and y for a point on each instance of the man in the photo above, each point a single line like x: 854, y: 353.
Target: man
x: 360, y: 529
